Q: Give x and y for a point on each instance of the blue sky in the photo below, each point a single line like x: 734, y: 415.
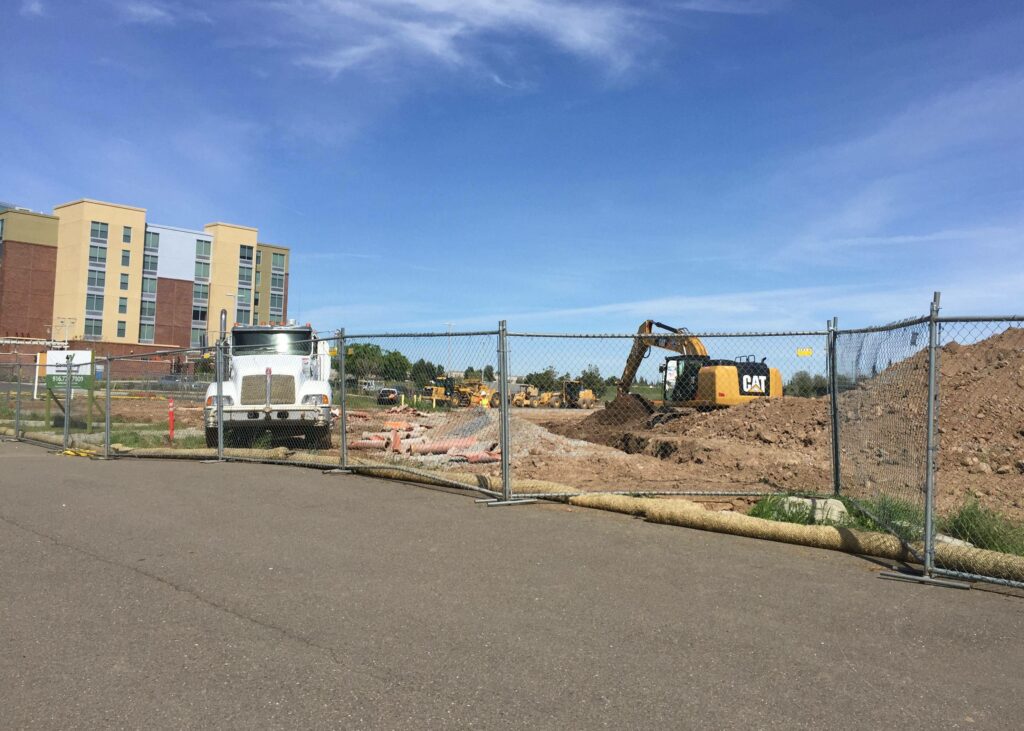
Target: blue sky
x: 716, y: 164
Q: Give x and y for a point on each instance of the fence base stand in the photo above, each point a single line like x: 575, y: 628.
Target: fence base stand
x: 338, y: 471
x: 922, y: 579
x: 514, y: 501
x: 213, y: 461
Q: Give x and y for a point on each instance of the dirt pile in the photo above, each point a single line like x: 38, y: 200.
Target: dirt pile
x: 786, y: 442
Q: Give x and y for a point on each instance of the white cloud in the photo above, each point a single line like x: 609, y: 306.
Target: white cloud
x: 32, y: 8
x: 341, y: 35
x: 159, y: 12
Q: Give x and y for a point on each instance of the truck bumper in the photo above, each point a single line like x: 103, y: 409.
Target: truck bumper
x: 283, y: 417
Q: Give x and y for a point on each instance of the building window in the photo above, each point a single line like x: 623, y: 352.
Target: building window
x: 258, y: 278
x: 245, y: 254
x: 124, y: 282
x: 198, y: 335
x: 122, y: 328
x: 152, y: 241
x: 200, y: 313
x: 1, y: 229
x: 256, y: 298
x: 148, y: 310
x: 244, y: 275
x: 149, y: 286
x: 200, y: 292
x: 202, y: 249
x: 149, y: 262
x: 146, y: 332
x: 126, y: 257
x: 255, y: 317
x: 244, y: 296
x: 97, y: 255
x: 122, y: 306
x: 277, y: 281
x: 98, y: 232
x: 97, y: 279
x: 126, y: 238
x: 259, y: 257
x: 94, y: 304
x: 242, y: 317
x: 276, y: 302
x: 277, y: 261
x: 202, y: 270
x: 93, y: 328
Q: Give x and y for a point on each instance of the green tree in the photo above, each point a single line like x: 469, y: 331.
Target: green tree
x: 363, y: 360
x: 394, y: 366
x: 423, y: 372
x: 591, y: 378
x: 804, y: 384
x: 488, y: 373
x: 471, y: 374
x: 545, y: 380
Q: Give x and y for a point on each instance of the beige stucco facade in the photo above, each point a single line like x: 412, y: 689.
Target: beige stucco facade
x: 29, y: 227
x: 264, y: 275
x: 71, y: 283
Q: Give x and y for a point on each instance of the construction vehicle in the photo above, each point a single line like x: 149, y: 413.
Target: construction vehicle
x: 694, y: 379
x: 275, y: 380
x: 574, y: 396
x: 526, y: 398
x: 475, y: 393
x: 440, y: 391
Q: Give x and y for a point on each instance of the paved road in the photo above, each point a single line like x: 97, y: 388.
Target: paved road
x: 160, y: 594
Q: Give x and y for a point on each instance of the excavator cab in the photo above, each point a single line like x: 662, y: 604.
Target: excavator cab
x: 681, y: 373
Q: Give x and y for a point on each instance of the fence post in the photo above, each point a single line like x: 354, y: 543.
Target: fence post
x: 108, y: 375
x: 17, y: 405
x: 219, y: 365
x: 67, y: 402
x: 833, y: 388
x: 504, y: 437
x: 343, y: 409
x: 933, y: 396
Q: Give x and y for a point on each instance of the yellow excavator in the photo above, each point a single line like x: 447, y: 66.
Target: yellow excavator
x: 692, y: 378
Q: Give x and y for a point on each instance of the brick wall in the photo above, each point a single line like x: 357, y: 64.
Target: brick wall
x: 26, y: 289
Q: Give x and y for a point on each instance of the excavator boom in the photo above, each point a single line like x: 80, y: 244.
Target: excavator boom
x: 678, y: 340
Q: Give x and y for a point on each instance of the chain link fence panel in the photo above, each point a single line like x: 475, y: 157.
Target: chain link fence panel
x: 423, y: 404
x: 882, y: 397
x: 979, y: 481
x: 719, y: 417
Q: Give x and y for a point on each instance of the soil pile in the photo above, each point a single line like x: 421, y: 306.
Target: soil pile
x: 786, y: 442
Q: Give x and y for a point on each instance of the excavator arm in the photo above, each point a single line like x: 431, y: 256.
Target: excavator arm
x: 678, y: 340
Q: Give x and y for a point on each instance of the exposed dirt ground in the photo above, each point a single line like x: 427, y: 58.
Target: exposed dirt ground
x: 782, y: 444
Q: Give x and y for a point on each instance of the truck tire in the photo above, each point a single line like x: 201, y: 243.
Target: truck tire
x: 319, y: 437
x: 211, y: 437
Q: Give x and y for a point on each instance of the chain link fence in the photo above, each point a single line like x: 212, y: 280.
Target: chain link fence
x: 916, y: 428
x: 979, y: 477
x: 881, y: 381
x: 646, y: 414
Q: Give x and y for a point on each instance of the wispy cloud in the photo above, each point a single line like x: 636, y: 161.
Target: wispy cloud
x: 159, y: 12
x: 342, y: 35
x: 32, y: 8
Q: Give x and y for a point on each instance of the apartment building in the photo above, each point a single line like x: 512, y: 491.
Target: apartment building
x: 122, y: 280
x: 28, y: 263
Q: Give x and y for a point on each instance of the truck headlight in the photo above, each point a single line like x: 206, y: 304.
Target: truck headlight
x: 225, y: 400
x: 315, y: 399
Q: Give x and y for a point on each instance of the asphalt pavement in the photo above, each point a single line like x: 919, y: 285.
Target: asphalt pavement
x: 175, y: 594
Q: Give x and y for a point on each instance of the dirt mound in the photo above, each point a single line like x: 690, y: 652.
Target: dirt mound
x: 786, y: 442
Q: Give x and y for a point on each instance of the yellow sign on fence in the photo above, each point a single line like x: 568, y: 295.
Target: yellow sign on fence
x: 805, y: 352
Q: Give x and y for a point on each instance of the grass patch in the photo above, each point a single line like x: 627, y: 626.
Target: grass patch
x: 155, y: 439
x: 775, y: 507
x: 984, y: 528
x: 886, y: 515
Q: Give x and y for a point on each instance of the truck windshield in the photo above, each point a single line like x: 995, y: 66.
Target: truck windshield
x: 262, y: 342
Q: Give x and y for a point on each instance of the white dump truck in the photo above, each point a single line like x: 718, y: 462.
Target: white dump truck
x: 276, y: 381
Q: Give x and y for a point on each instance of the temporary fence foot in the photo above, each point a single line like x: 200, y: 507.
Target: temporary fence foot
x: 499, y: 503
x: 486, y: 500
x: 338, y: 471
x: 213, y: 461
x: 922, y: 579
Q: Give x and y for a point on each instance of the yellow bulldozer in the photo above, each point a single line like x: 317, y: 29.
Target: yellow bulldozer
x: 528, y: 397
x: 572, y: 396
x: 693, y: 378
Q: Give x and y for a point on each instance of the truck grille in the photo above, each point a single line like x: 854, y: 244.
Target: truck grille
x: 254, y: 390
